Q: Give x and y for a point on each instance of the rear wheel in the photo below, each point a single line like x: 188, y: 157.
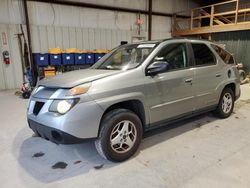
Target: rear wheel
x: 120, y: 135
x: 226, y: 104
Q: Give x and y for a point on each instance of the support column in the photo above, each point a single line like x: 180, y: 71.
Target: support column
x: 149, y: 19
x: 32, y: 66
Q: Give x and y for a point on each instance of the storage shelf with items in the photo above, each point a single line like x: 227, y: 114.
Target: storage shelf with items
x: 57, y: 60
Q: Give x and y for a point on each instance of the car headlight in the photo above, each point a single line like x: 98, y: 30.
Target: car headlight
x: 62, y: 106
x: 81, y: 89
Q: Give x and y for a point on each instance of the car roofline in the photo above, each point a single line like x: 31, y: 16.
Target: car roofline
x: 170, y: 39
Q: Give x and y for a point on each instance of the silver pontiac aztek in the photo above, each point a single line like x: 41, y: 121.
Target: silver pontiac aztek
x: 132, y: 89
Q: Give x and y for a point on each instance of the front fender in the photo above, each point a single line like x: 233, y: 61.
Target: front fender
x: 106, y: 102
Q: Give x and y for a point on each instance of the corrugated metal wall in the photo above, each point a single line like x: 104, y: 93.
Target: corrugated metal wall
x: 67, y: 27
x: 237, y: 43
x: 45, y: 37
x: 10, y: 75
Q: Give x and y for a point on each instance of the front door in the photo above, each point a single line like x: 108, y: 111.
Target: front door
x: 170, y: 94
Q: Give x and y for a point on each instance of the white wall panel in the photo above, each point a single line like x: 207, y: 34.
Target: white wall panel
x: 9, y: 69
x: 138, y: 4
x: 59, y: 15
x: 91, y: 38
x: 65, y: 37
x: 85, y: 37
x: 106, y: 19
x: 15, y: 60
x: 97, y: 37
x: 79, y: 41
x: 10, y: 75
x: 103, y: 39
x: 114, y: 37
x: 109, y: 39
x: 35, y: 38
x: 173, y: 6
x: 159, y: 27
x: 10, y: 11
x: 58, y: 37
x: 51, y: 36
x: 163, y: 6
x: 43, y: 34
x: 72, y: 37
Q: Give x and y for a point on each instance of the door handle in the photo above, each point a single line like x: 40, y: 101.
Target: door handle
x: 218, y: 75
x: 189, y: 80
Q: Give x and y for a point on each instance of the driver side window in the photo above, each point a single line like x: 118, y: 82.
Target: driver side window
x: 175, y: 55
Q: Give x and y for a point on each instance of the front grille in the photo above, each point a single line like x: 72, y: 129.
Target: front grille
x: 38, y: 106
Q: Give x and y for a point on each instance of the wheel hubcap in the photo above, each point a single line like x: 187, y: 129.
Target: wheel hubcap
x: 227, y: 103
x: 123, y: 136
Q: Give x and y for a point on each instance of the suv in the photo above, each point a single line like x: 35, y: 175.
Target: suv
x: 132, y: 89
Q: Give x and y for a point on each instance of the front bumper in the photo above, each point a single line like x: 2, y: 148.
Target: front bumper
x: 79, y: 123
x: 52, y: 134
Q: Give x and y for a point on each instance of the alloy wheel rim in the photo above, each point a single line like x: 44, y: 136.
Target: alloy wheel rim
x: 227, y: 103
x: 123, y: 136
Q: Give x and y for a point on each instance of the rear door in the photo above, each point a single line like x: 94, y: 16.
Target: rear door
x: 207, y: 75
x: 170, y: 94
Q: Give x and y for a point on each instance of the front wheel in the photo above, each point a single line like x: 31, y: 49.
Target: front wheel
x: 120, y: 135
x: 226, y: 104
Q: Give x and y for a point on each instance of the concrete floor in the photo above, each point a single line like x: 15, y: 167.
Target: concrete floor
x: 200, y: 152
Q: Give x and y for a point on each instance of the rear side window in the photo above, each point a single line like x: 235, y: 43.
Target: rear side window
x: 225, y: 56
x: 203, y: 55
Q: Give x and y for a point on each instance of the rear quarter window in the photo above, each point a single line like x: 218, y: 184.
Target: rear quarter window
x: 224, y: 55
x: 203, y: 55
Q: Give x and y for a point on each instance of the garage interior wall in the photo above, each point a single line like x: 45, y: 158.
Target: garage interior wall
x: 238, y: 43
x: 75, y: 27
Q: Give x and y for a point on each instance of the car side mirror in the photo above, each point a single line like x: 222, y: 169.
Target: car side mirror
x: 156, y: 68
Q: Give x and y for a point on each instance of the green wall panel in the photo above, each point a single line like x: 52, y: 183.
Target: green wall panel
x: 237, y: 43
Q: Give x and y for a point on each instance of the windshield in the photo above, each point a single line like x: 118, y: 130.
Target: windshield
x: 125, y: 57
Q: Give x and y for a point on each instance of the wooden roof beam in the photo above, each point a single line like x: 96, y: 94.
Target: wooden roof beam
x: 214, y: 29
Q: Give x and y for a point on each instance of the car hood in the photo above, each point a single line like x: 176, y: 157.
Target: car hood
x: 74, y: 78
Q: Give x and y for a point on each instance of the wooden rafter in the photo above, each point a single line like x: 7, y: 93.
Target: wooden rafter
x: 214, y: 29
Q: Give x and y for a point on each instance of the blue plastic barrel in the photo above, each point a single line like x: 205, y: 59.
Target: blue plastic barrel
x: 90, y: 58
x: 98, y: 56
x: 41, y: 60
x: 68, y: 59
x: 55, y: 59
x: 80, y: 58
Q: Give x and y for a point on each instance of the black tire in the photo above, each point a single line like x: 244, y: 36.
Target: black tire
x: 227, y: 92
x: 26, y: 94
x: 112, y: 120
